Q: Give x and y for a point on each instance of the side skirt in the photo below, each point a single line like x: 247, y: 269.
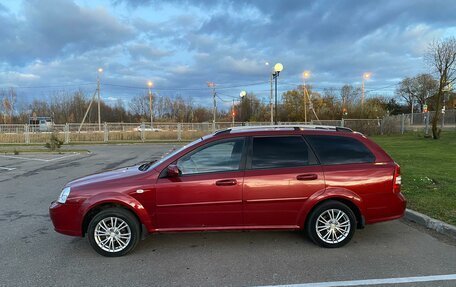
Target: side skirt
x: 227, y: 228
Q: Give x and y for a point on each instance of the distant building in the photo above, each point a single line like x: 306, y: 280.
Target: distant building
x: 41, y: 124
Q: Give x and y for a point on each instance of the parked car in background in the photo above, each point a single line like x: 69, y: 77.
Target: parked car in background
x: 146, y: 129
x: 327, y: 181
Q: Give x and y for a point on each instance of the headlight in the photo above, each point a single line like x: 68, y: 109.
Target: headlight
x: 64, y: 195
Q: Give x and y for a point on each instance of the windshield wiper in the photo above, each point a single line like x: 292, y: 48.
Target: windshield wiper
x: 145, y: 166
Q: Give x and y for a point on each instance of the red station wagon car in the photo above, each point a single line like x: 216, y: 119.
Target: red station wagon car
x: 327, y: 181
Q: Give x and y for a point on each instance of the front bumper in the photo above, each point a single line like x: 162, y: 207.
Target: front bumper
x: 66, y: 218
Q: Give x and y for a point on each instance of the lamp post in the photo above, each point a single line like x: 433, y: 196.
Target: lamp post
x: 150, y: 85
x: 271, y: 105
x: 241, y: 95
x: 366, y: 76
x: 232, y: 113
x: 97, y: 93
x: 305, y: 75
x: 214, y: 109
x: 411, y: 118
x: 275, y: 74
x: 100, y: 71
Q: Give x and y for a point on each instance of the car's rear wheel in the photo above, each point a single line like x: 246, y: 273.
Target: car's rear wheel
x: 113, y: 232
x: 331, y: 225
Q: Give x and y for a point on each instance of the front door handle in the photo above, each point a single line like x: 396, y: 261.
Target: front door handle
x: 309, y: 176
x: 226, y: 182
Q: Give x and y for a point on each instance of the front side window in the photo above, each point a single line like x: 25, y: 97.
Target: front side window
x: 216, y: 157
x: 276, y: 152
x: 340, y: 150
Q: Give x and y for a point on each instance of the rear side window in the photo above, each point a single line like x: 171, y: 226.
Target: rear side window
x: 274, y: 152
x: 340, y: 150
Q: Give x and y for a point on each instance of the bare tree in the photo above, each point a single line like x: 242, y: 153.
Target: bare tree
x: 420, y: 88
x: 8, y: 103
x: 441, y: 57
x: 139, y: 105
x: 349, y: 95
x: 407, y: 90
x: 427, y: 87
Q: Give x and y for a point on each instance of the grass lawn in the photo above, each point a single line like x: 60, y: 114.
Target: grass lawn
x: 428, y: 170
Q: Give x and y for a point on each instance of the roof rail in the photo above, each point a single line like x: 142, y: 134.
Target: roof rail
x: 294, y: 127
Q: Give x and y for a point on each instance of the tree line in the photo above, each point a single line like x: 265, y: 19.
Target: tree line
x: 299, y: 104
x: 65, y: 107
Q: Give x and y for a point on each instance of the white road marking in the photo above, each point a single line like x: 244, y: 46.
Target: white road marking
x: 65, y: 156
x: 7, y: 168
x: 38, y: 159
x: 367, y: 282
x: 20, y: 157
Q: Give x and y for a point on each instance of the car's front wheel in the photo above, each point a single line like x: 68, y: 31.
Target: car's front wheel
x: 113, y: 232
x: 331, y: 225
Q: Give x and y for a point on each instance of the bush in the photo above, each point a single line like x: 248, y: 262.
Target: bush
x: 54, y: 142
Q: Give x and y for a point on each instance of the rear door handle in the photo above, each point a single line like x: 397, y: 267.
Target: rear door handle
x: 226, y: 182
x: 310, y: 176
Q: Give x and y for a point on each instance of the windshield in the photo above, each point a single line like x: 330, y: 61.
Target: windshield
x: 174, y: 152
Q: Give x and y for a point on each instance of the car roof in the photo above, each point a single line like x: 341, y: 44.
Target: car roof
x: 276, y: 128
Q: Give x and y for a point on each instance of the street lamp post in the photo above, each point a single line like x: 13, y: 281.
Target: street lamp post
x: 232, y: 113
x: 277, y: 69
x: 271, y: 105
x: 305, y: 75
x: 214, y: 108
x: 150, y: 85
x: 411, y: 118
x: 97, y: 93
x: 241, y: 95
x: 100, y: 71
x: 366, y: 76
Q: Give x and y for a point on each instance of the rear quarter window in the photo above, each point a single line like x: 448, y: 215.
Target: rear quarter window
x: 340, y: 150
x: 279, y: 152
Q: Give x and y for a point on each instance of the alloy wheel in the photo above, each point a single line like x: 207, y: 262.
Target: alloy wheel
x: 112, y: 234
x: 333, y: 226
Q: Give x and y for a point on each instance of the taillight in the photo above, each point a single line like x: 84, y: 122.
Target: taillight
x: 397, y: 179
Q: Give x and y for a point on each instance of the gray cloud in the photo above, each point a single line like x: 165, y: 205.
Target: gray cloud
x: 224, y: 41
x: 3, y: 9
x: 147, y: 51
x: 54, y: 28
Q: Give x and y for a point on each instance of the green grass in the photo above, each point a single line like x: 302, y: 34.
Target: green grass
x: 428, y: 170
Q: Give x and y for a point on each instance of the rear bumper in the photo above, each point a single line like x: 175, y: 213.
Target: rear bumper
x: 395, y: 210
x: 66, y: 218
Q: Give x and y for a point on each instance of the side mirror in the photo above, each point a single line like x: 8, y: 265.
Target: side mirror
x: 173, y: 170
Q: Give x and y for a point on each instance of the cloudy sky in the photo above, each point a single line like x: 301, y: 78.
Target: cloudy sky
x: 54, y: 45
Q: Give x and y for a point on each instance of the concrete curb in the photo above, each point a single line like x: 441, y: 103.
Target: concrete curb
x: 431, y: 223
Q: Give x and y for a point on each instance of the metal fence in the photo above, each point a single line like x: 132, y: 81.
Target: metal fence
x: 143, y: 132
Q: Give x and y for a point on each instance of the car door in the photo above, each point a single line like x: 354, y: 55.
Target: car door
x: 208, y: 192
x: 281, y: 174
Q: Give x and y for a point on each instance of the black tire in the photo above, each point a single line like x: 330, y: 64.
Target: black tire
x: 118, y: 214
x: 325, y: 210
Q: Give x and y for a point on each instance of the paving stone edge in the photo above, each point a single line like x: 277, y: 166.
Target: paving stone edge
x: 431, y: 223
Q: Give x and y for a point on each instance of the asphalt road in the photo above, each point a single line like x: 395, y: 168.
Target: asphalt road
x: 31, y: 253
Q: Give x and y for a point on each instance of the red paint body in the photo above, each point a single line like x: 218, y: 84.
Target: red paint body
x: 245, y: 199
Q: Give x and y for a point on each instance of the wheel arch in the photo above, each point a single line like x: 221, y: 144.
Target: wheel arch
x: 94, y: 205
x: 353, y: 207
x: 347, y: 197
